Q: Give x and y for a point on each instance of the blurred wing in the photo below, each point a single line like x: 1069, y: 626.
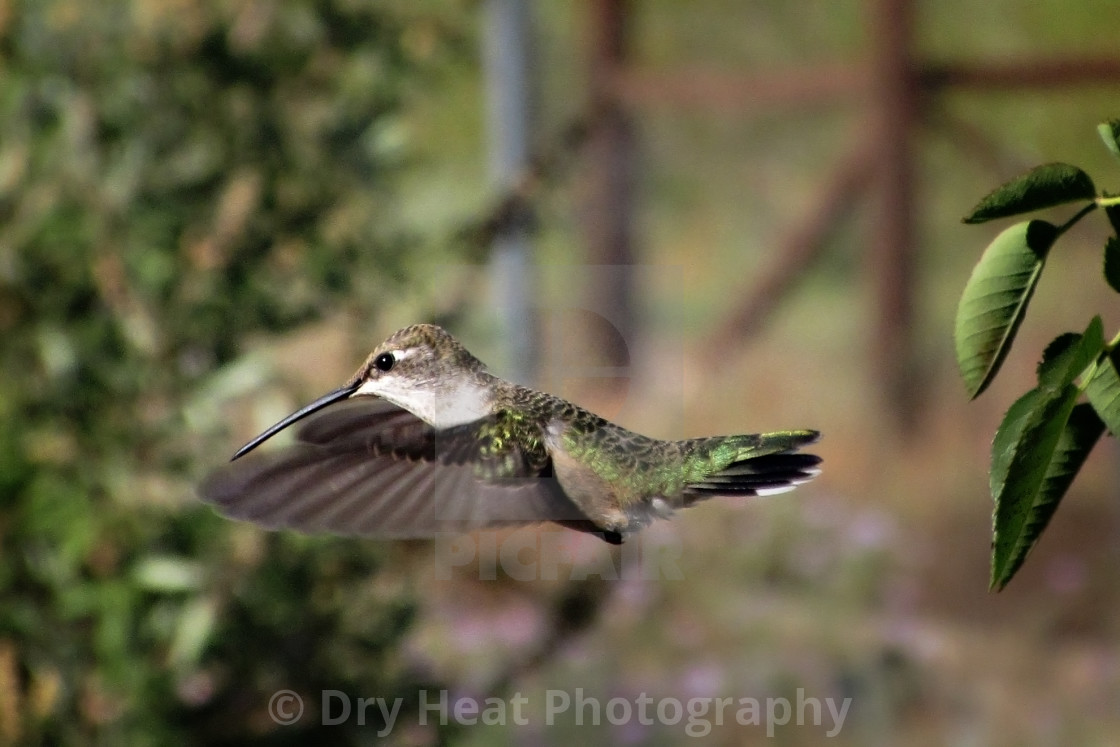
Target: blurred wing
x: 367, y: 467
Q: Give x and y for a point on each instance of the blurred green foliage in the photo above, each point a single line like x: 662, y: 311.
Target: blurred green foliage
x: 176, y: 176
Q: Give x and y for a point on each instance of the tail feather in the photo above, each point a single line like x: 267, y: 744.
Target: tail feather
x: 761, y: 475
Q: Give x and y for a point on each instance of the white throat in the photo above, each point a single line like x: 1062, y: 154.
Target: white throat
x: 442, y: 407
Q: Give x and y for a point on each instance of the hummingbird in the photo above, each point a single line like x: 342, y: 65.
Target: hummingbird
x: 423, y: 439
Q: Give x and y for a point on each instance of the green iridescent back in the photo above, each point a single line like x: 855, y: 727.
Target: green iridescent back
x: 637, y: 466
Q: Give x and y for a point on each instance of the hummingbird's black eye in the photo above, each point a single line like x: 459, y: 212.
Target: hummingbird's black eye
x: 384, y: 362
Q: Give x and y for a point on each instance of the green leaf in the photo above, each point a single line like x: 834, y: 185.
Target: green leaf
x: 1112, y: 262
x: 1021, y: 453
x: 1068, y: 355
x: 196, y: 623
x: 1038, y: 450
x: 1103, y: 391
x: 167, y: 574
x: 995, y: 300
x: 1007, y: 438
x: 1110, y: 134
x: 1041, y: 187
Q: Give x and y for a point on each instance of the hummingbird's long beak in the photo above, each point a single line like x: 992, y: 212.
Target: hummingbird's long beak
x: 327, y: 399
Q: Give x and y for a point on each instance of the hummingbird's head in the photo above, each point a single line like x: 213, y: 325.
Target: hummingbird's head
x: 421, y: 369
x: 422, y: 355
x: 428, y: 372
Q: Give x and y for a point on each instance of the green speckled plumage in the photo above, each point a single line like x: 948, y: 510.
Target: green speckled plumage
x: 501, y: 453
x: 509, y: 444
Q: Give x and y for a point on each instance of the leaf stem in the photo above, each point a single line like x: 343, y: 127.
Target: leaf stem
x: 1078, y: 216
x: 1107, y: 201
x: 1088, y: 374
